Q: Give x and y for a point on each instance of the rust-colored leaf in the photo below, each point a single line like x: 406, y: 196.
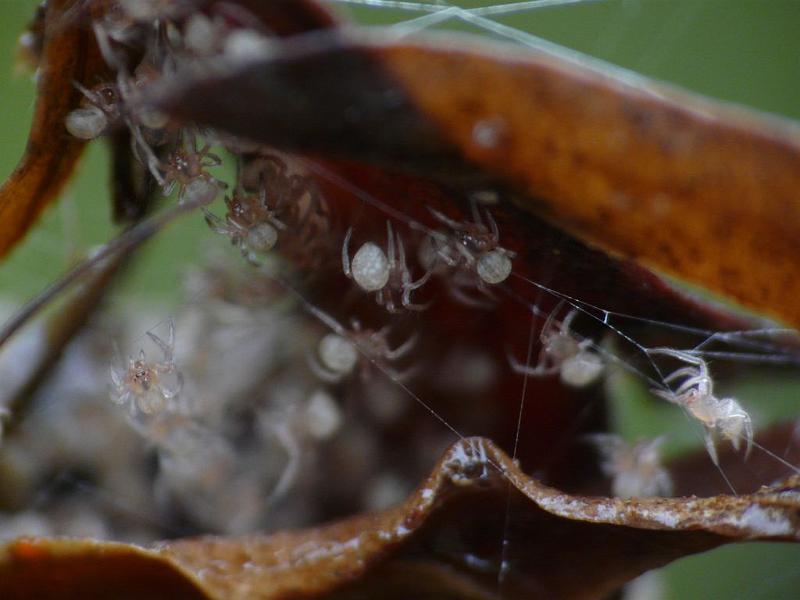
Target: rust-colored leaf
x: 448, y: 535
x: 31, y: 568
x: 69, y: 55
x: 684, y: 184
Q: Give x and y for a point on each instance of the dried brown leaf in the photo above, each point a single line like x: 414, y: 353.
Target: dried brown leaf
x: 700, y: 190
x: 475, y: 527
x: 69, y: 55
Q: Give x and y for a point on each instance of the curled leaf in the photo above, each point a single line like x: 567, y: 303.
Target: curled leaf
x: 69, y: 55
x: 477, y: 525
x: 700, y: 190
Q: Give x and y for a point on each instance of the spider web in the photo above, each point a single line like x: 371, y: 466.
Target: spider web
x: 494, y: 19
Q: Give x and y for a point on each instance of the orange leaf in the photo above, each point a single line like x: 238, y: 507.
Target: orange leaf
x: 70, y: 54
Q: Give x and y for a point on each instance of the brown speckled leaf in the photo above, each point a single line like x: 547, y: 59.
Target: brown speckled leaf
x: 69, y: 54
x: 445, y: 540
x: 703, y: 191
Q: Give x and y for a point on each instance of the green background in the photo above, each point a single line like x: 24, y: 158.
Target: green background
x: 745, y: 51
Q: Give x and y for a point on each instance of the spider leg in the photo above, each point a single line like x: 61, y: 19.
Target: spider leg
x: 748, y: 436
x: 711, y: 447
x: 549, y: 326
x: 403, y: 349
x: 294, y: 455
x: 140, y: 146
x: 174, y: 393
x: 212, y: 160
x: 406, y: 299
x: 167, y: 347
x: 346, y: 253
x: 460, y: 295
x: 690, y: 372
x: 468, y: 256
x: 278, y: 224
x: 441, y: 248
x: 216, y: 224
x: 387, y: 301
x: 539, y: 370
x: 328, y: 320
x: 390, y: 248
x: 441, y: 217
x: 566, y: 324
x: 701, y: 383
x: 492, y: 226
x: 414, y: 285
x: 104, y: 45
x: 668, y: 395
x: 169, y: 187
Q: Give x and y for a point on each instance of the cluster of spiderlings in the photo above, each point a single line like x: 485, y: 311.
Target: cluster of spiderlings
x: 269, y: 198
x: 143, y: 43
x: 273, y: 206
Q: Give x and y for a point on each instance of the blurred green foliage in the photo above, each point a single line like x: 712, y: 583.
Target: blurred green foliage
x: 745, y: 51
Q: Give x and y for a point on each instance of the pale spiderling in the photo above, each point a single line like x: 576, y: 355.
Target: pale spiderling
x: 112, y: 104
x: 100, y: 109
x: 340, y: 352
x: 144, y: 386
x: 723, y: 417
x: 563, y: 353
x: 472, y: 247
x: 635, y: 469
x: 385, y: 273
x: 250, y: 223
x: 187, y: 168
x: 292, y: 198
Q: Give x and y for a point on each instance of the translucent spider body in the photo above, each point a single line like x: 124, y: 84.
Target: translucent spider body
x: 187, y: 167
x: 99, y: 111
x: 293, y: 198
x: 250, y: 223
x: 635, y: 469
x: 474, y: 246
x: 563, y: 353
x: 341, y: 352
x: 385, y: 273
x: 108, y: 105
x: 145, y: 386
x: 723, y: 417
